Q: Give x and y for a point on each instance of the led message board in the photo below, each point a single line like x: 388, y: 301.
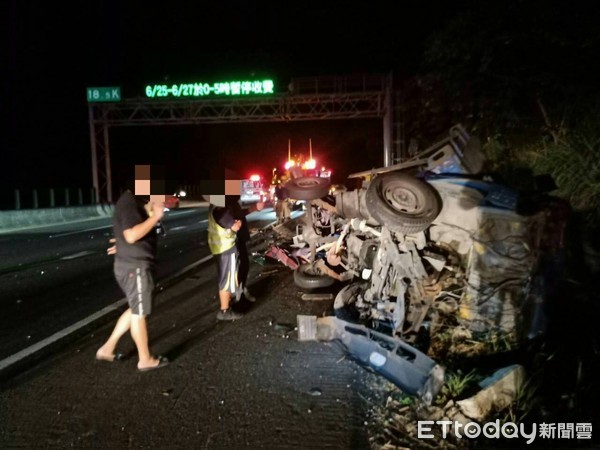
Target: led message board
x: 215, y: 89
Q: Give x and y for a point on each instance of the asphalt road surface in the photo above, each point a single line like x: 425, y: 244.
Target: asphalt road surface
x: 52, y: 278
x: 55, y: 277
x: 249, y: 383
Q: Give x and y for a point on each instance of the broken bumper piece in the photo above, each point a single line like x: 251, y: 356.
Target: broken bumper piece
x: 405, y: 366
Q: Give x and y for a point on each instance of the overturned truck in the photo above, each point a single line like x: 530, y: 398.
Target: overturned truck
x: 433, y: 253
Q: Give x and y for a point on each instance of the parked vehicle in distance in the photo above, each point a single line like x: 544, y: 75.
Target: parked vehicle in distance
x: 254, y: 189
x: 173, y: 201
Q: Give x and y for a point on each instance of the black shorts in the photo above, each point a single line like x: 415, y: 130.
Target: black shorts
x: 227, y: 266
x: 137, y: 282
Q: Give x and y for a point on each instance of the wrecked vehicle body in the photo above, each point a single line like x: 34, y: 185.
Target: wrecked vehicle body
x: 474, y: 258
x: 430, y: 250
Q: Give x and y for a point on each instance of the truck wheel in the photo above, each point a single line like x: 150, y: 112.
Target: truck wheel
x: 403, y: 203
x: 307, y: 277
x: 307, y: 188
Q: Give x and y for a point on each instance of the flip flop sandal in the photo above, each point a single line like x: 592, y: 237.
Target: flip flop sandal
x: 162, y: 362
x: 118, y: 356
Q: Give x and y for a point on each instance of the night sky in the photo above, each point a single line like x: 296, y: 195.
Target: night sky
x: 56, y: 50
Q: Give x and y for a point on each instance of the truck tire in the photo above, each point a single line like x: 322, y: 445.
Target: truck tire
x: 306, y: 277
x: 403, y: 203
x: 307, y: 188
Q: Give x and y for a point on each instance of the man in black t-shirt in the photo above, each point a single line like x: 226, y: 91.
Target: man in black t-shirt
x: 135, y: 229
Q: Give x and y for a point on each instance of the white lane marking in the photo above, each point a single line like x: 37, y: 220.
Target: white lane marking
x: 80, y: 231
x: 177, y: 228
x: 59, y: 335
x: 78, y: 255
x: 203, y: 221
x: 6, y: 362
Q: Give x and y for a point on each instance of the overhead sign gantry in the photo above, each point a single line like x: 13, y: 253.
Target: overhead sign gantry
x: 245, y: 101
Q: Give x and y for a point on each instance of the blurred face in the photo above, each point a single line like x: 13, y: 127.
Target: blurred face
x: 143, y: 185
x: 233, y: 187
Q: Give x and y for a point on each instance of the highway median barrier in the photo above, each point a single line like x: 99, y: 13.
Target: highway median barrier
x: 26, y: 218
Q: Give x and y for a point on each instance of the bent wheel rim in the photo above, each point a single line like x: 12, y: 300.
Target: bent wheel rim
x: 401, y: 198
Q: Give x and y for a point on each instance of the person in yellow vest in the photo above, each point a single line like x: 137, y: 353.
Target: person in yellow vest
x: 228, y: 234
x: 222, y: 236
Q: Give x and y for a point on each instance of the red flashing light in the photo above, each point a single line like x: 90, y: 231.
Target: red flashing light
x: 254, y: 177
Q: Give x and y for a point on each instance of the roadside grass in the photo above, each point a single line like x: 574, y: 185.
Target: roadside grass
x: 573, y: 161
x: 457, y: 383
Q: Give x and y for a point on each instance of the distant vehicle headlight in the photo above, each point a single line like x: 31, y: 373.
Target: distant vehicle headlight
x: 182, y: 193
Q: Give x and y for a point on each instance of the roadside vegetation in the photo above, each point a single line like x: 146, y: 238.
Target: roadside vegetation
x: 571, y: 157
x: 528, y: 89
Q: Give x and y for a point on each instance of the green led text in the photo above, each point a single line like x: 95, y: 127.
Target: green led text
x: 205, y: 89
